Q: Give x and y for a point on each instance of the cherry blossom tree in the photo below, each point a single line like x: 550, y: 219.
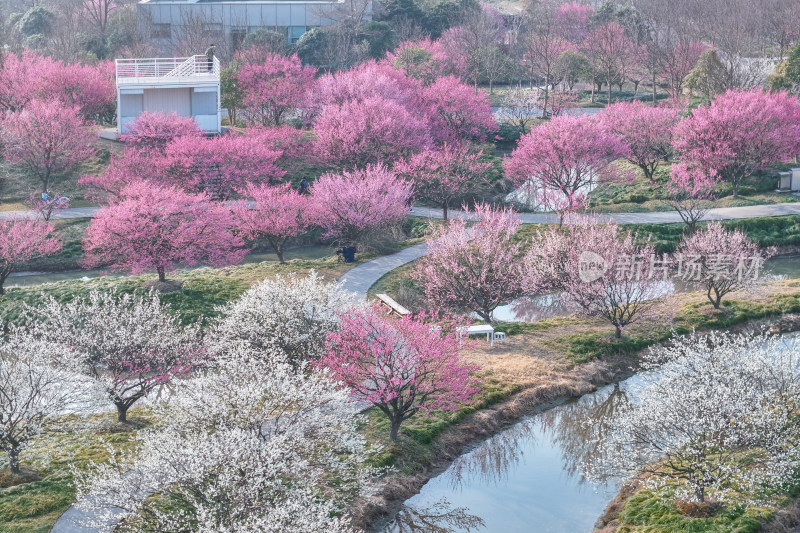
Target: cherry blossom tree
x: 285, y: 318
x: 151, y: 132
x: 158, y: 228
x: 474, y: 268
x: 712, y: 421
x: 567, y: 154
x: 23, y: 240
x: 249, y: 446
x: 739, y: 133
x: 275, y: 214
x: 37, y: 386
x: 272, y: 85
x: 402, y: 366
x: 690, y: 194
x: 444, y: 175
x: 598, y: 272
x: 129, y: 344
x: 721, y: 261
x: 46, y: 139
x: 646, y: 132
x: 351, y: 205
x: 456, y: 112
x: 372, y: 131
x: 222, y: 165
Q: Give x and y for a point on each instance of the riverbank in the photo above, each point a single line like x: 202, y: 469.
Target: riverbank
x: 546, y: 378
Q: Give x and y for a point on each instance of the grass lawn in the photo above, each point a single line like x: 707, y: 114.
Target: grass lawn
x: 33, y: 507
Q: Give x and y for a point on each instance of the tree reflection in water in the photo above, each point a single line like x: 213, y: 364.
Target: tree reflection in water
x: 538, y: 307
x: 576, y: 428
x: 440, y: 517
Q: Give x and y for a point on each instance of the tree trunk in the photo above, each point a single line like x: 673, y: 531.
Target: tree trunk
x: 395, y: 429
x: 162, y: 274
x: 609, y: 91
x: 3, y: 275
x: 617, y: 332
x: 546, y: 95
x: 715, y: 300
x: 13, y: 459
x: 277, y: 247
x: 654, y: 87
x: 444, y: 212
x: 122, y: 412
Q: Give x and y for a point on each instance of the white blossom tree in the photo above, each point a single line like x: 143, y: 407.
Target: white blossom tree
x: 130, y: 344
x: 252, y: 445
x: 283, y: 317
x: 36, y: 385
x: 716, y: 418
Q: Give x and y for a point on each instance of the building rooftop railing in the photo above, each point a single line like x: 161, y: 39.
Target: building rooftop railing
x: 167, y: 70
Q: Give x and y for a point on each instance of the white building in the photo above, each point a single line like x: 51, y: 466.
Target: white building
x: 228, y: 22
x: 188, y: 86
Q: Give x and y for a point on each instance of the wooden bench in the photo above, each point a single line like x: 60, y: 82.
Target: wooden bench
x: 393, y: 306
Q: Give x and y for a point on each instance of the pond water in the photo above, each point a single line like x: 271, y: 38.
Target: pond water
x: 26, y: 279
x: 526, y: 478
x: 540, y: 307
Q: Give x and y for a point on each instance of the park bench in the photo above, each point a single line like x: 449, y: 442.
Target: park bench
x: 393, y: 306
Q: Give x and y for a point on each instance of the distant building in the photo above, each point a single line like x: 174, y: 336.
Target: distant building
x: 188, y: 86
x: 228, y: 22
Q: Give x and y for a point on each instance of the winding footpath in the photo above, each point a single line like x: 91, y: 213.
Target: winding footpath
x: 362, y: 277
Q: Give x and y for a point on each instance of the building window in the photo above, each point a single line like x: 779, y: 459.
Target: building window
x: 162, y: 31
x: 295, y: 32
x: 213, y: 29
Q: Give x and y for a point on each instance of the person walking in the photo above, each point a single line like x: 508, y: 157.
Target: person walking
x: 210, y: 56
x: 303, y: 187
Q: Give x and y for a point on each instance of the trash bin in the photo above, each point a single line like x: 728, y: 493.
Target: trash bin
x: 349, y: 254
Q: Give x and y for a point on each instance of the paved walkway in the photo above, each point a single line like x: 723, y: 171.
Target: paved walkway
x: 364, y: 276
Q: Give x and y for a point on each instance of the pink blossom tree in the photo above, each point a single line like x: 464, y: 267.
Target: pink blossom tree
x: 351, y: 205
x: 275, y: 214
x: 598, y: 272
x: 456, y: 112
x: 572, y: 20
x: 370, y: 79
x: 158, y: 228
x: 221, y: 165
x: 567, y: 155
x: 690, y: 193
x: 444, y: 175
x: 402, y: 366
x: 608, y: 51
x: 474, y: 268
x: 23, y: 240
x: 739, y: 133
x: 677, y: 62
x: 46, y: 139
x: 272, y: 84
x: 720, y: 261
x: 151, y: 132
x: 645, y: 131
x: 130, y: 344
x: 372, y: 131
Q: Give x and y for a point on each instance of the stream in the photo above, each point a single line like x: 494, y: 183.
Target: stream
x: 527, y: 478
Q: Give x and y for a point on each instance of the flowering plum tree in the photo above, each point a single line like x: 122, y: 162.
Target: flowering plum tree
x: 721, y: 261
x: 250, y: 446
x: 129, y: 344
x: 713, y: 420
x: 456, y: 112
x: 567, y: 155
x: 690, y: 194
x: 445, y: 174
x: 402, y: 366
x: 46, y: 139
x: 739, y: 133
x: 677, y: 62
x: 645, y: 131
x: 283, y: 319
x: 475, y: 268
x: 151, y: 132
x: 372, y: 131
x: 159, y: 228
x: 271, y: 84
x: 354, y: 204
x: 222, y: 165
x: 37, y: 386
x: 23, y: 240
x: 599, y: 272
x: 275, y: 214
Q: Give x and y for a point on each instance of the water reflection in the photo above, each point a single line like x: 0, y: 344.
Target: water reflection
x: 441, y: 517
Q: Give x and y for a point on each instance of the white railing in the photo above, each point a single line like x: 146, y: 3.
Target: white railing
x: 166, y: 68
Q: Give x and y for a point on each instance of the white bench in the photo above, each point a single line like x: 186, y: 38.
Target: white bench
x: 483, y: 329
x: 393, y: 306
